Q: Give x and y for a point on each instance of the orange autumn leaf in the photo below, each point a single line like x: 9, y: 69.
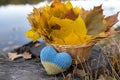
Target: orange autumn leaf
x: 111, y: 20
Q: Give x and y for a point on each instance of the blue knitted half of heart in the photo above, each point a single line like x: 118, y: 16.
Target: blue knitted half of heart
x: 47, y: 54
x: 62, y: 60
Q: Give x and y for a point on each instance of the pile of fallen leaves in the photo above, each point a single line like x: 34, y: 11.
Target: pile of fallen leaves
x: 61, y: 23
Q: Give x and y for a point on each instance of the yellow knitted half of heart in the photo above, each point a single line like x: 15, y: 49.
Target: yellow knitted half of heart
x: 51, y: 68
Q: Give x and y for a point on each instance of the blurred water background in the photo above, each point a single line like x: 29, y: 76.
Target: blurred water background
x: 13, y: 18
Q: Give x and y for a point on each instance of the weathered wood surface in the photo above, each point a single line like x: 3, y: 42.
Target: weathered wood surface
x: 21, y: 69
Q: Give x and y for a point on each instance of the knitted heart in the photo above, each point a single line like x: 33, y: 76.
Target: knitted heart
x: 54, y: 62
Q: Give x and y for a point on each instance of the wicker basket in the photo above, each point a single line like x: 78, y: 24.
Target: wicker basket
x: 79, y: 53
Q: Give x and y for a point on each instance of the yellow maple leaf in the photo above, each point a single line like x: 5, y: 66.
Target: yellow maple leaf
x: 79, y: 26
x: 76, y: 10
x: 67, y: 26
x: 74, y: 39
x: 32, y: 35
x: 58, y: 41
x: 58, y: 9
x: 64, y: 27
x: 68, y: 5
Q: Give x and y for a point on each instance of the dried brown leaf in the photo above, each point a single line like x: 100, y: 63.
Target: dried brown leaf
x: 94, y: 20
x: 70, y: 15
x: 111, y: 20
x: 13, y: 56
x: 68, y: 77
x: 37, y: 44
x: 110, y: 32
x: 83, y: 13
x: 27, y: 55
x: 79, y: 72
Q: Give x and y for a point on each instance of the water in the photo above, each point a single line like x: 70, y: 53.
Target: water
x: 13, y: 24
x: 13, y: 19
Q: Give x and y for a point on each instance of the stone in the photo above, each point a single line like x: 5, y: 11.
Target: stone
x: 21, y: 69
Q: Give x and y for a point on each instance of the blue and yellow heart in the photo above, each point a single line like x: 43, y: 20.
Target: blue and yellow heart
x: 54, y: 62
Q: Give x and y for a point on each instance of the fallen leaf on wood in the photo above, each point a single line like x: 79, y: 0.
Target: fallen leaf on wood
x: 37, y: 44
x: 68, y: 77
x: 27, y: 55
x: 13, y: 56
x: 79, y: 72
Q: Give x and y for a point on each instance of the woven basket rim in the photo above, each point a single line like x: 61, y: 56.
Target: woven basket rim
x: 75, y: 46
